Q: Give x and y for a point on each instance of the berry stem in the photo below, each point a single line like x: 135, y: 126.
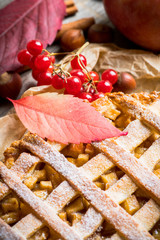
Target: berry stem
x: 83, y: 47
x: 45, y: 50
x: 55, y: 54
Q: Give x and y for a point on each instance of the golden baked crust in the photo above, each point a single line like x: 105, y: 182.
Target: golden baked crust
x: 87, y: 191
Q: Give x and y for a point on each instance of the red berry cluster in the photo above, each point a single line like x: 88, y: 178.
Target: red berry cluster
x: 41, y: 63
x: 78, y: 82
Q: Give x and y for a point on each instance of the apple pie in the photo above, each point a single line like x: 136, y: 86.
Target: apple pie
x: 104, y: 190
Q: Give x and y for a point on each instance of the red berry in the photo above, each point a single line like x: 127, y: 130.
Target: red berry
x: 79, y: 73
x: 104, y: 86
x: 35, y: 73
x: 73, y: 85
x: 50, y: 69
x: 57, y: 82
x: 81, y: 90
x: 52, y: 59
x: 98, y: 95
x: 42, y: 62
x: 65, y: 91
x: 110, y: 75
x: 31, y: 64
x: 35, y: 47
x: 86, y: 96
x: 24, y: 57
x: 94, y: 76
x: 92, y: 90
x: 75, y: 62
x: 45, y: 78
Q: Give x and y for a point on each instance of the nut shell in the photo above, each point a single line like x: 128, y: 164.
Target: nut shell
x: 126, y: 83
x: 72, y: 39
x: 10, y: 85
x: 100, y: 33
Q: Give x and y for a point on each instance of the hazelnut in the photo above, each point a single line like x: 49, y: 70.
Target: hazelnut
x: 72, y: 39
x: 100, y: 33
x: 10, y: 85
x: 126, y: 83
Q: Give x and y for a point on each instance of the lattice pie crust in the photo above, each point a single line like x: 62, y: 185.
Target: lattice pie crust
x: 104, y: 190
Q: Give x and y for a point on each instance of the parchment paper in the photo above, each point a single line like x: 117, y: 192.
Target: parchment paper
x: 143, y: 65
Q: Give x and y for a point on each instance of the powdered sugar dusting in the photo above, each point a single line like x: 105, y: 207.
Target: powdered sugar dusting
x: 148, y: 158
x: 41, y: 208
x: 137, y: 110
x: 148, y: 215
x: 93, y: 194
x: 122, y: 189
x: 119, y: 191
x: 24, y: 163
x: 134, y: 168
x: 60, y: 196
x: 89, y: 223
x: 97, y: 166
x: 21, y: 168
x: 28, y: 225
x: 132, y: 140
x: 3, y: 190
x: 7, y: 233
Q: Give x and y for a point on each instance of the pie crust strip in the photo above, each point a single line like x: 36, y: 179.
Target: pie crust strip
x: 98, y: 198
x: 124, y: 145
x: 21, y: 167
x: 120, y: 191
x: 7, y: 233
x: 28, y: 225
x: 43, y: 210
x: 137, y: 133
x: 146, y: 216
x: 137, y: 110
x: 92, y: 169
x: 63, y: 194
x: 141, y: 175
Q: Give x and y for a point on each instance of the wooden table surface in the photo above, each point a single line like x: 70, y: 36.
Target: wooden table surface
x: 86, y: 8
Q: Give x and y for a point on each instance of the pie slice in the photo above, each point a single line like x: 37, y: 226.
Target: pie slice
x: 103, y: 190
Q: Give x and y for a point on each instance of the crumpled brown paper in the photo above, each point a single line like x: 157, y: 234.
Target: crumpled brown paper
x: 143, y: 65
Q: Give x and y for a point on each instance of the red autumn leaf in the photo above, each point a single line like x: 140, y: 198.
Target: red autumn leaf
x: 24, y: 20
x: 63, y: 118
